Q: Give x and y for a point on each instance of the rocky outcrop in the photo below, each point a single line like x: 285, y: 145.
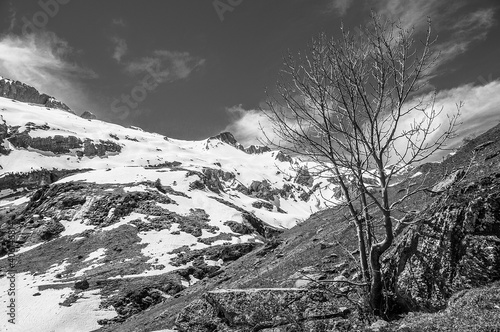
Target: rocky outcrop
x: 138, y: 294
x: 228, y: 138
x: 50, y: 230
x: 100, y: 149
x: 4, y: 131
x: 28, y: 94
x: 304, y: 177
x: 257, y: 149
x: 34, y: 179
x: 267, y: 309
x: 454, y: 246
x: 250, y: 221
x: 88, y: 115
x: 283, y: 157
x: 59, y: 144
x: 211, y: 178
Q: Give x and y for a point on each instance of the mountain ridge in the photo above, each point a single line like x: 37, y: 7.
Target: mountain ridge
x: 19, y: 91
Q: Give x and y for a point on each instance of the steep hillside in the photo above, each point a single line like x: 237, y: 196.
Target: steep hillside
x: 106, y: 221
x: 445, y: 259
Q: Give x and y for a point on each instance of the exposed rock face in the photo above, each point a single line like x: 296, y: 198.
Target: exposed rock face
x: 4, y: 131
x: 211, y: 178
x: 88, y: 115
x: 257, y: 149
x: 59, y: 144
x: 34, y: 179
x: 239, y: 228
x: 267, y: 309
x: 25, y: 93
x: 283, y: 157
x: 91, y: 148
x: 304, y: 177
x: 454, y: 246
x: 228, y: 138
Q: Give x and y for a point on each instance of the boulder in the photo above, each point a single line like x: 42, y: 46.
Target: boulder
x: 82, y: 284
x: 50, y: 230
x: 455, y: 245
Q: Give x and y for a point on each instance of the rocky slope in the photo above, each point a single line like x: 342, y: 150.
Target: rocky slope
x: 109, y: 221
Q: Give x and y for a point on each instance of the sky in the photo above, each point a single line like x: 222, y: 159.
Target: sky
x: 189, y: 69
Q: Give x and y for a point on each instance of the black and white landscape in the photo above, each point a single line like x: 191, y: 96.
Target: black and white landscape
x: 154, y: 177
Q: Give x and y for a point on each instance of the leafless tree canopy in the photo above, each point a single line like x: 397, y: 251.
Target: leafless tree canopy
x: 360, y: 105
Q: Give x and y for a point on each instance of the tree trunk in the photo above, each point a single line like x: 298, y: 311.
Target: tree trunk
x: 376, y: 288
x: 362, y: 251
x: 377, y: 285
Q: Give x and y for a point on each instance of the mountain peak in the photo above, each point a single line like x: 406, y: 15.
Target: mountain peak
x: 226, y: 137
x: 25, y: 93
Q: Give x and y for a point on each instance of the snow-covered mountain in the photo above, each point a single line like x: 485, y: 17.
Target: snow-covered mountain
x: 95, y: 207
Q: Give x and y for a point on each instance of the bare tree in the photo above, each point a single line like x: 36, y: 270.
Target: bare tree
x: 360, y: 107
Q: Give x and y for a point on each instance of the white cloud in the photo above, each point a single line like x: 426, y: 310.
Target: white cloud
x: 119, y: 22
x: 413, y: 13
x: 461, y: 30
x: 246, y: 125
x: 165, y: 66
x: 338, y: 6
x: 466, y: 30
x: 42, y: 60
x: 479, y: 113
x: 121, y: 48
